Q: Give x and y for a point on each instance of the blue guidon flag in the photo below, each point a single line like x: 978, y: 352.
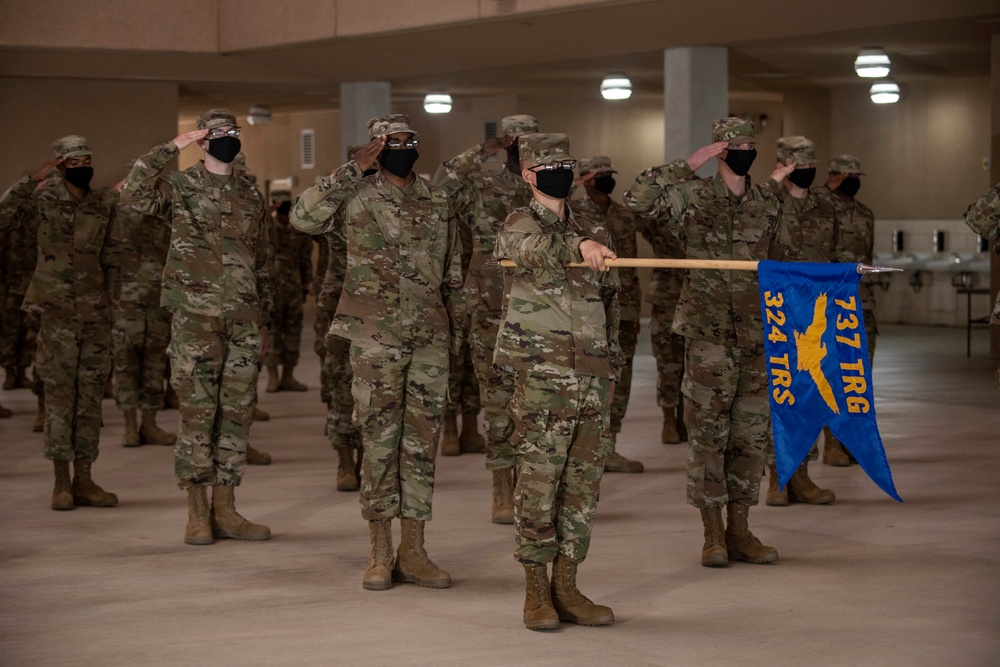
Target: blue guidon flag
x: 817, y: 365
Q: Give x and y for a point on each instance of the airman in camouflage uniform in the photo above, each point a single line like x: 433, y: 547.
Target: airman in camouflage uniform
x: 558, y: 336
x: 336, y: 376
x: 483, y: 200
x: 597, y: 206
x: 722, y: 218
x: 141, y: 328
x: 401, y: 310
x: 855, y: 241
x: 18, y: 329
x: 809, y: 227
x: 217, y: 287
x: 291, y: 276
x: 983, y: 217
x: 71, y: 290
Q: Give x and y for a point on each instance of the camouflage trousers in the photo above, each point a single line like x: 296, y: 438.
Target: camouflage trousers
x: 628, y: 332
x: 727, y: 419
x: 74, y: 359
x: 340, y: 427
x: 140, y: 358
x: 668, y: 349
x: 284, y: 336
x: 18, y: 331
x: 321, y: 326
x: 214, y: 364
x: 495, y: 389
x: 561, y: 435
x: 463, y: 387
x: 399, y: 397
x: 871, y: 331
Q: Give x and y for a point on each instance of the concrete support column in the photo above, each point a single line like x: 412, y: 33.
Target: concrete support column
x: 994, y: 176
x: 695, y: 93
x: 359, y: 101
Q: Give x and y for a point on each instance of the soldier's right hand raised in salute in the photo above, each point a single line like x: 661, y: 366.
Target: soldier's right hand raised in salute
x: 182, y: 141
x: 706, y: 153
x: 497, y: 144
x: 369, y: 153
x: 44, y: 170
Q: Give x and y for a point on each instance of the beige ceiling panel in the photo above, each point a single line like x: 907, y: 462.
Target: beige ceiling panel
x: 366, y: 17
x: 490, y: 8
x: 248, y: 24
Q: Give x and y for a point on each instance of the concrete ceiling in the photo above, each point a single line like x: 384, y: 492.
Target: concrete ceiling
x: 785, y: 49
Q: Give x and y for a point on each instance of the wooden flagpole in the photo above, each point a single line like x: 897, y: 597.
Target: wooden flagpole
x: 657, y: 263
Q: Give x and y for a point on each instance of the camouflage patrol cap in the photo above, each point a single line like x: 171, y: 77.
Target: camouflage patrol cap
x: 542, y: 147
x: 599, y: 164
x: 846, y: 164
x: 214, y: 118
x: 733, y: 130
x: 518, y: 124
x: 389, y: 124
x: 72, y: 146
x: 796, y: 150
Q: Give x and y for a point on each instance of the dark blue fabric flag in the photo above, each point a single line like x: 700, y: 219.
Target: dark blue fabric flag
x: 817, y: 365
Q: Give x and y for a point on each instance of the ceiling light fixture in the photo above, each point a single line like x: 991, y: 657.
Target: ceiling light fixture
x: 872, y: 63
x: 437, y: 103
x: 884, y: 92
x: 259, y: 116
x: 616, y: 87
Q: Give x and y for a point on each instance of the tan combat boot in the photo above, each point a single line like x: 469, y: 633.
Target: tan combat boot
x: 85, y: 491
x: 469, y: 440
x: 346, y: 480
x: 39, y: 424
x: 256, y: 457
x: 131, y: 436
x: 618, y: 463
x: 801, y: 489
x: 288, y: 381
x: 5, y: 413
x: 570, y: 603
x: 449, y: 436
x: 669, y: 434
x: 834, y: 453
x: 378, y: 576
x: 412, y: 564
x: 199, y: 525
x: 227, y: 522
x: 775, y: 496
x: 741, y: 542
x: 259, y: 415
x: 273, y: 379
x: 62, y: 494
x: 151, y: 434
x: 714, y: 553
x: 503, y: 496
x: 539, y: 614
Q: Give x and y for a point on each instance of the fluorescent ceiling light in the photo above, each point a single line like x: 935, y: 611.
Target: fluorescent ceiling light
x: 616, y: 87
x: 437, y: 103
x: 872, y: 63
x: 884, y: 92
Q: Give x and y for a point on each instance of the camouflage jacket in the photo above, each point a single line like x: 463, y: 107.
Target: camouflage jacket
x: 77, y: 268
x: 808, y: 226
x: 291, y: 258
x: 556, y: 320
x: 482, y: 200
x: 621, y: 224
x: 983, y: 216
x: 715, y: 305
x: 18, y: 256
x: 404, y: 258
x: 664, y: 288
x: 144, y: 245
x: 855, y: 240
x: 218, y: 259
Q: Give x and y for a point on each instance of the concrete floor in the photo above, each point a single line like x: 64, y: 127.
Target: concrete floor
x: 864, y: 581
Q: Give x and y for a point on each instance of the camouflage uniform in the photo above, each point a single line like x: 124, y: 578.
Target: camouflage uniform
x: 482, y: 201
x: 559, y: 337
x: 217, y: 287
x: 983, y: 217
x: 18, y: 329
x: 398, y: 311
x: 720, y: 316
x: 291, y: 275
x: 141, y: 329
x: 75, y: 275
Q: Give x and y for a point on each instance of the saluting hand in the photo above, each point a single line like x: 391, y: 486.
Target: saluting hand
x: 497, y: 144
x: 182, y: 141
x: 369, y: 153
x: 595, y: 253
x: 585, y: 178
x: 46, y: 167
x: 782, y: 171
x: 706, y: 153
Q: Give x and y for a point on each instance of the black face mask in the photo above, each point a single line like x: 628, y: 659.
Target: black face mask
x: 224, y: 149
x: 369, y: 172
x: 555, y: 183
x: 79, y: 176
x: 740, y: 161
x: 605, y: 184
x: 513, y: 153
x: 802, y: 177
x: 284, y: 208
x: 850, y: 186
x: 399, y: 162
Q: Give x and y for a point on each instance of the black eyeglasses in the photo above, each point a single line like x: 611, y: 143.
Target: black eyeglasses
x: 552, y: 166
x: 218, y: 133
x: 396, y: 144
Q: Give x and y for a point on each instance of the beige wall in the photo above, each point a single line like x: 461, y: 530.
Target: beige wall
x: 121, y: 120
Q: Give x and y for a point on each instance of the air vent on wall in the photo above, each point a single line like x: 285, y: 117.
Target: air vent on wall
x: 489, y: 130
x: 307, y: 149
